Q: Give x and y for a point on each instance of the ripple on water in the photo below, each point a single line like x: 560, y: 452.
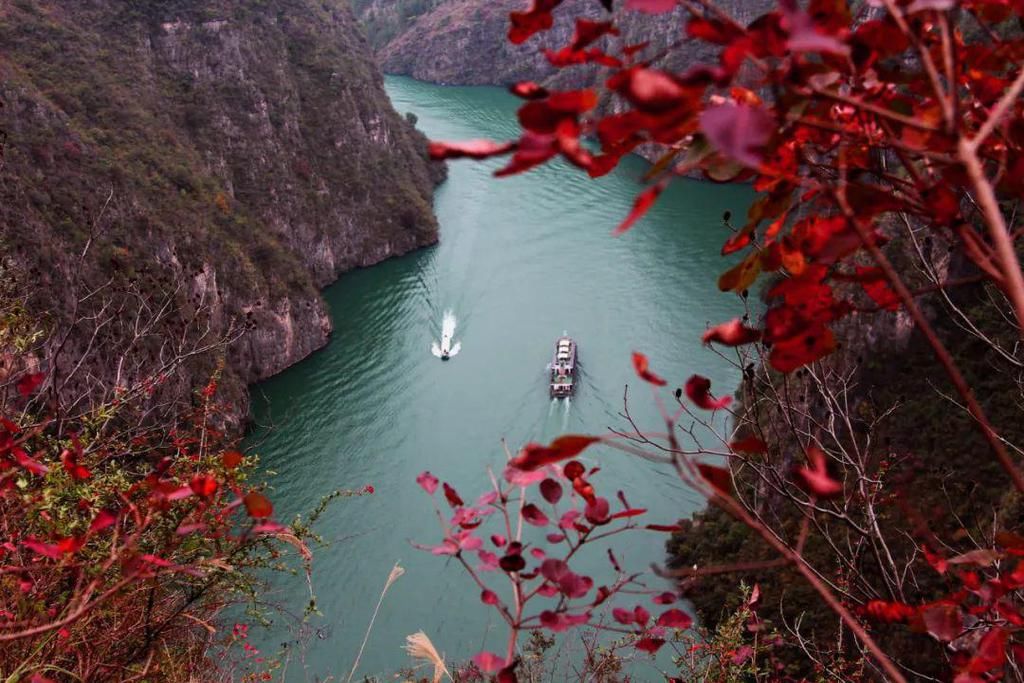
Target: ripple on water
x: 520, y: 260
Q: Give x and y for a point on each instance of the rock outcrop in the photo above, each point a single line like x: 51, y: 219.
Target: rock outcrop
x: 205, y: 166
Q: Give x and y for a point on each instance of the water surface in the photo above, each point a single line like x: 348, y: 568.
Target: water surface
x: 520, y: 261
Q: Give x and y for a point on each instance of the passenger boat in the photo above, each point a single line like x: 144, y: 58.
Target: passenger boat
x: 563, y: 368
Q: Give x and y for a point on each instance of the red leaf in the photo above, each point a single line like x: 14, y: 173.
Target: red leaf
x: 534, y: 149
x: 750, y: 444
x: 596, y: 511
x: 50, y: 550
x: 204, y: 485
x: 488, y: 563
x: 103, y: 520
x: 588, y: 31
x: 528, y: 90
x: 666, y: 528
x: 979, y: 557
x: 664, y: 598
x: 489, y: 597
x: 641, y: 365
x: 876, y: 286
x: 452, y: 496
x: 536, y: 19
x: 889, y: 612
x: 698, y: 390
x: 805, y: 347
x: 534, y: 456
x: 534, y: 515
x: 718, y: 477
x: 881, y: 37
x: 937, y: 562
x: 508, y: 674
x: 991, y: 652
x: 644, y: 201
x: 652, y: 91
x: 70, y: 462
x: 631, y: 512
x: 815, y: 479
x: 559, y: 622
x: 711, y: 30
x: 804, y: 36
x: 472, y: 149
x: 943, y: 621
x: 650, y: 645
x: 156, y: 561
x: 488, y: 662
x: 25, y: 462
x: 29, y: 382
x: 738, y: 131
x: 257, y: 505
x: 9, y: 426
x: 551, y: 490
x: 732, y: 333
x: 512, y: 563
x: 428, y: 482
x: 573, y: 470
x: 675, y: 618
x: 231, y: 459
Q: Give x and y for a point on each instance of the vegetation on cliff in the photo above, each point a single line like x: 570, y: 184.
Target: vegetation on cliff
x: 225, y: 159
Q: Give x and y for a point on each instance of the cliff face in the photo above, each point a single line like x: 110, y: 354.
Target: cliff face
x: 205, y: 166
x: 464, y: 41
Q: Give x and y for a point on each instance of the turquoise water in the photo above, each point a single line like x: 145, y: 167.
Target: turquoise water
x: 520, y: 261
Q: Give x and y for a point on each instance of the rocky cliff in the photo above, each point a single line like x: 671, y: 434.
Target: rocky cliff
x: 464, y: 41
x: 203, y: 167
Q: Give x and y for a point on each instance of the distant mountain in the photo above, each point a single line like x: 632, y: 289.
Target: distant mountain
x: 464, y: 41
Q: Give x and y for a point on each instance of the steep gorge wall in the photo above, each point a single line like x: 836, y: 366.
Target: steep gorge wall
x: 230, y: 158
x: 463, y: 42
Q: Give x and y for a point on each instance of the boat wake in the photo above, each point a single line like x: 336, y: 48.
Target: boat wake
x: 447, y: 348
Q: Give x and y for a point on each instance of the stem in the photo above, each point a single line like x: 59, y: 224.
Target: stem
x: 1009, y: 264
x: 396, y: 571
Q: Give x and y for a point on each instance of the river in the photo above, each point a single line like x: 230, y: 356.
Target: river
x: 520, y: 261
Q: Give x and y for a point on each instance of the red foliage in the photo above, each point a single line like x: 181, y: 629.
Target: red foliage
x: 815, y: 477
x: 642, y: 367
x: 732, y: 333
x: 698, y: 390
x: 534, y: 456
x: 846, y: 122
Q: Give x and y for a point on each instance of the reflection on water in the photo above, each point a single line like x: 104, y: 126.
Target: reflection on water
x: 521, y: 260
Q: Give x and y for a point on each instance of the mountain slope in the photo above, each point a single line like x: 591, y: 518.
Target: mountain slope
x: 465, y: 41
x: 228, y: 158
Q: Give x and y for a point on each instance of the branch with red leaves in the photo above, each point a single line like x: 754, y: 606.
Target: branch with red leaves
x: 848, y: 122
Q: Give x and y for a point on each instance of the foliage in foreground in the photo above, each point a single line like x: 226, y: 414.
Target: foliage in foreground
x: 886, y: 140
x: 125, y: 529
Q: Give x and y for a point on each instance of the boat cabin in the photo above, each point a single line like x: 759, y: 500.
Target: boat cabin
x: 563, y: 368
